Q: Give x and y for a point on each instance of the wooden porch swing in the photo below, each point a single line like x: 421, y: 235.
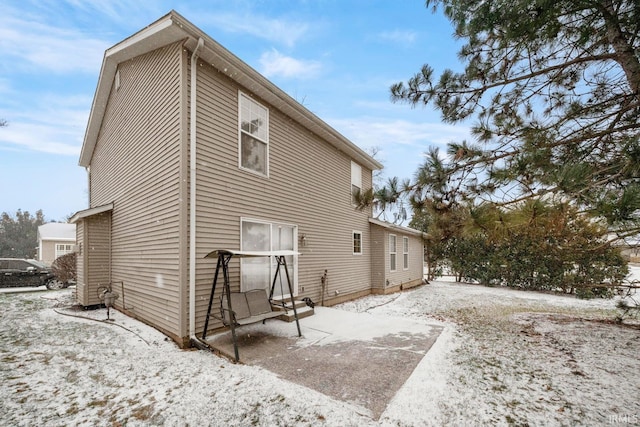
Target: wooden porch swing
x: 244, y: 308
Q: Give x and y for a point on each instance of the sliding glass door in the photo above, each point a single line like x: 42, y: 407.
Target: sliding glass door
x: 257, y: 273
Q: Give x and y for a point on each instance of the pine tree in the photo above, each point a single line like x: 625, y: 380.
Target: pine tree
x: 19, y: 236
x: 552, y: 89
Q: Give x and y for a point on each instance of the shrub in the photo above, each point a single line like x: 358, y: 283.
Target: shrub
x: 538, y: 247
x: 64, y: 267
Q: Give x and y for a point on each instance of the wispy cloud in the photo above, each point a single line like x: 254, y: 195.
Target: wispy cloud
x: 5, y: 85
x: 401, y: 144
x: 274, y: 63
x: 115, y: 10
x: 36, y: 137
x: 281, y: 31
x: 35, y: 46
x: 402, y: 37
x: 55, y: 125
x: 389, y: 133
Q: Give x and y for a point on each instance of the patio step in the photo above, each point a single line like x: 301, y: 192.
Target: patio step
x: 302, y: 313
x: 301, y: 307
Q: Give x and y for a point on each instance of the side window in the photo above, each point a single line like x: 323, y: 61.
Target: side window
x: 357, y: 243
x: 356, y: 179
x: 405, y: 253
x: 254, y: 136
x: 17, y: 264
x: 392, y: 252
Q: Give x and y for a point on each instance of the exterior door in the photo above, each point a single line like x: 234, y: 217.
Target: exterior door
x: 256, y: 236
x: 257, y: 273
x: 285, y: 238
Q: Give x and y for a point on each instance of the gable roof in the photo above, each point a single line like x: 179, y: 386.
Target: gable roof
x: 57, y: 231
x: 172, y: 28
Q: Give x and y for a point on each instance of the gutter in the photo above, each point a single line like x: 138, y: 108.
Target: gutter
x: 192, y: 189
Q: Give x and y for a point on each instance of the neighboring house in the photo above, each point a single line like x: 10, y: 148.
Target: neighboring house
x: 188, y: 150
x: 629, y: 246
x: 630, y: 249
x: 54, y: 240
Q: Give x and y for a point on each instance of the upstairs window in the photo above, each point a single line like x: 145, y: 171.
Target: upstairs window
x: 254, y: 136
x: 356, y: 180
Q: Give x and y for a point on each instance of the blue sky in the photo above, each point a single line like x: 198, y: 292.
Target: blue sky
x: 337, y: 57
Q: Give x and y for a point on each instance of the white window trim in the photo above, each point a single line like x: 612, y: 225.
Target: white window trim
x: 249, y: 98
x: 393, y: 252
x: 405, y: 253
x: 59, y: 252
x: 353, y: 238
x: 294, y: 277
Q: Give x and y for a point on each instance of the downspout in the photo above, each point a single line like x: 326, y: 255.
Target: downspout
x: 88, y: 170
x: 192, y: 190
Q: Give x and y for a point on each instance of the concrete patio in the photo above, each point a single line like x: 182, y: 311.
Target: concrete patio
x: 359, y: 358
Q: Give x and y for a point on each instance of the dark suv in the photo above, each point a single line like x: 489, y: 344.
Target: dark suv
x: 26, y: 272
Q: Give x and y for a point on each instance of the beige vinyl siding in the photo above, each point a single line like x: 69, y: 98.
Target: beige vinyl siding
x: 379, y: 262
x: 48, y: 254
x: 81, y: 261
x: 94, y: 258
x: 415, y: 271
x: 381, y: 265
x: 309, y: 185
x: 49, y: 249
x: 98, y: 256
x: 136, y: 166
x: 416, y: 256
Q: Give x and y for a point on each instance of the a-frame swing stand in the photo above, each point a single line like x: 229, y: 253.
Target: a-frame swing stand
x: 244, y: 308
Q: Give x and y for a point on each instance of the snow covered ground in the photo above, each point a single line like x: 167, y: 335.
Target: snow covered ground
x: 505, y: 357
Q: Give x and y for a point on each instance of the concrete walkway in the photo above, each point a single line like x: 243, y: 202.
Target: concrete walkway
x: 359, y: 358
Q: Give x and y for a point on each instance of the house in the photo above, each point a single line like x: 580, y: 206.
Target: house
x: 188, y: 150
x: 54, y: 240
